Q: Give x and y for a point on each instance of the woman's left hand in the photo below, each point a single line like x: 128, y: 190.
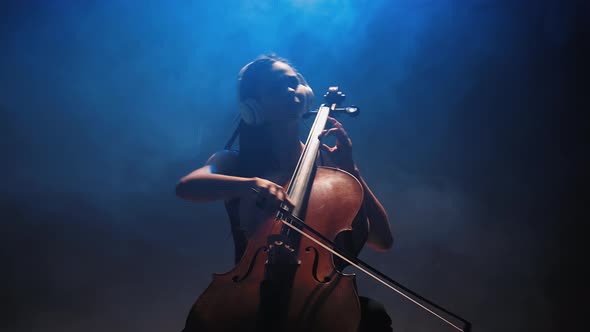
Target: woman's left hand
x: 339, y: 155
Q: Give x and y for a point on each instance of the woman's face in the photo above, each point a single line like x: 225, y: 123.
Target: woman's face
x: 282, y: 97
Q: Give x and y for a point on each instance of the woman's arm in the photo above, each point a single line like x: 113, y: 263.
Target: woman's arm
x: 380, y: 237
x: 210, y: 183
x: 340, y: 155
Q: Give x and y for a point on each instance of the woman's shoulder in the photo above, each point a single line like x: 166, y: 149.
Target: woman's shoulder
x: 224, y: 155
x: 224, y: 161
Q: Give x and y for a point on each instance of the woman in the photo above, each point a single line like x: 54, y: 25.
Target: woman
x: 273, y: 98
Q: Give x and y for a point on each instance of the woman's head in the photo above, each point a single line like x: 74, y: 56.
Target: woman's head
x: 270, y: 91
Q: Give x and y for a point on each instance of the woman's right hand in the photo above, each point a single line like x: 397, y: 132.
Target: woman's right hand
x: 270, y: 195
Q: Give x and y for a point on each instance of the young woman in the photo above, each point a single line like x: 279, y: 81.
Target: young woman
x: 273, y: 98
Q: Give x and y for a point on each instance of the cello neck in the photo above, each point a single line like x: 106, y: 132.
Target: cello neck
x: 302, y: 176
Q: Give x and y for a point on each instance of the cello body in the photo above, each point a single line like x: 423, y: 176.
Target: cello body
x: 288, y: 285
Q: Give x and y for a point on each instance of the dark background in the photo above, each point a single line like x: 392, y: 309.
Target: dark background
x: 470, y: 135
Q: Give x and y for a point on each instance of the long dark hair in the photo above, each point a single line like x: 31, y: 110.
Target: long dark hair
x: 256, y: 154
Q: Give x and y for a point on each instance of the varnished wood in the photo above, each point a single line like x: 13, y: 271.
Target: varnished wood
x: 231, y: 302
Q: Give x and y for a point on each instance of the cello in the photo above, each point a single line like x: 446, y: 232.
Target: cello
x: 285, y: 282
x: 287, y: 279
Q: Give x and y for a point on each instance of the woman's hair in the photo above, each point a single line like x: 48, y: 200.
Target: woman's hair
x: 256, y: 156
x: 259, y: 72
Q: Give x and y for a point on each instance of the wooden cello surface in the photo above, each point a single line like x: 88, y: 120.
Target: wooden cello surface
x: 288, y: 285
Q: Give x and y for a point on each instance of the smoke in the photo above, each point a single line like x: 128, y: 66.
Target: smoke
x: 105, y: 105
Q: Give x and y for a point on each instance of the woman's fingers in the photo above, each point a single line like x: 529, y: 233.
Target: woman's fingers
x: 271, y: 196
x: 332, y: 132
x: 342, y: 139
x: 334, y: 122
x: 282, y: 197
x: 328, y: 148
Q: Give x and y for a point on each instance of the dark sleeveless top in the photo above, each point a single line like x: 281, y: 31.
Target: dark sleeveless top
x: 352, y: 241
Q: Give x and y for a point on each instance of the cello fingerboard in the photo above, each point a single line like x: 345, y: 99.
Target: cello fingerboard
x: 302, y: 176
